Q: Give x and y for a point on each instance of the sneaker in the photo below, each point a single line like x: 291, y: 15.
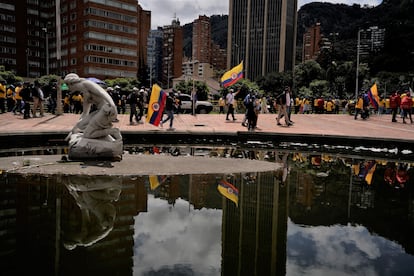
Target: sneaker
x: 244, y: 124
x: 289, y: 124
x: 227, y: 119
x: 279, y: 124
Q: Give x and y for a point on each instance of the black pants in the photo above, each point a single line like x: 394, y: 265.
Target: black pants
x: 26, y: 110
x: 230, y: 111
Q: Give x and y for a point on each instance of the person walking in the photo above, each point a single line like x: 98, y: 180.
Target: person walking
x: 395, y: 102
x: 38, y: 98
x: 221, y: 103
x: 282, y: 100
x: 247, y: 105
x: 26, y: 94
x: 169, y: 110
x: 406, y: 106
x: 133, y: 101
x: 10, y: 97
x: 359, y: 105
x: 18, y: 105
x: 3, y: 92
x: 230, y: 101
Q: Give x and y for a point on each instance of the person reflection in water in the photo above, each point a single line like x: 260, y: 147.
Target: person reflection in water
x: 284, y: 171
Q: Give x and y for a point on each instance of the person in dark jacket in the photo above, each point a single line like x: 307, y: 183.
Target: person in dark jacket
x: 133, y: 101
x: 26, y: 94
x: 169, y: 110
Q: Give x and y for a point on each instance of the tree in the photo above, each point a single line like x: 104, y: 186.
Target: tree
x: 306, y: 72
x: 201, y: 88
x: 274, y: 82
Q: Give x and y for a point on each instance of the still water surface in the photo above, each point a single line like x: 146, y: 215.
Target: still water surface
x: 319, y: 214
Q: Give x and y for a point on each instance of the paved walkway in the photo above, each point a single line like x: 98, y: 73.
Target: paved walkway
x: 317, y: 124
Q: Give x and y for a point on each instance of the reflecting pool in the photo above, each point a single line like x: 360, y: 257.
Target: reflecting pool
x: 318, y: 214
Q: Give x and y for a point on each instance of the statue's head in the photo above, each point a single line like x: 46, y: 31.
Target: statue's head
x: 110, y: 110
x: 72, y: 78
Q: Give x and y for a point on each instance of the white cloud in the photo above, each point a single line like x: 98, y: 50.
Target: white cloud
x: 163, y: 230
x: 164, y: 11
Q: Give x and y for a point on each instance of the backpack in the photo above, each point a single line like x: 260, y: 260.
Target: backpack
x: 246, y: 100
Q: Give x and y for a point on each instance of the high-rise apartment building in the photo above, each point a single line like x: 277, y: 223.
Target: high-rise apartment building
x: 172, y: 56
x: 103, y: 39
x: 262, y: 33
x: 311, y: 42
x: 202, y: 39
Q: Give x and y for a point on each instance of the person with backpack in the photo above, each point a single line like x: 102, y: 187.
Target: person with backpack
x: 26, y: 94
x: 132, y: 99
x: 246, y: 103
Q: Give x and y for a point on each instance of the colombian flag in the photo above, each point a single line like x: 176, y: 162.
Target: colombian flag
x: 229, y: 191
x: 156, y: 105
x: 232, y: 76
x: 373, y: 96
x: 156, y: 180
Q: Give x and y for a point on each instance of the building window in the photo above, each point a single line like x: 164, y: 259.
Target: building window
x: 73, y: 61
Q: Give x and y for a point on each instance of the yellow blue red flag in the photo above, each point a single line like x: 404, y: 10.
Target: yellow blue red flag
x: 232, y: 76
x: 156, y: 180
x: 373, y: 96
x: 229, y: 191
x: 156, y: 105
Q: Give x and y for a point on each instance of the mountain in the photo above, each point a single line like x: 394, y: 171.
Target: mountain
x: 396, y: 16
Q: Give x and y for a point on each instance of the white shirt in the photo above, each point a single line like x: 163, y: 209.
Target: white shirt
x: 230, y: 98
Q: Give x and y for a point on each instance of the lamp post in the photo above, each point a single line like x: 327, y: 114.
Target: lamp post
x: 237, y: 53
x: 357, y: 63
x: 47, y: 51
x: 27, y: 62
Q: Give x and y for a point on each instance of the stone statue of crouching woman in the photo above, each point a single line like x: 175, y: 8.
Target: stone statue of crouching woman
x: 93, y: 136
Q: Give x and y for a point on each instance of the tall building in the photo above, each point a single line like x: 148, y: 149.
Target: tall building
x: 218, y: 57
x: 101, y: 39
x: 154, y: 53
x: 25, y: 31
x: 87, y: 37
x: 202, y: 39
x: 255, y: 232
x: 262, y: 33
x: 172, y: 56
x: 311, y: 42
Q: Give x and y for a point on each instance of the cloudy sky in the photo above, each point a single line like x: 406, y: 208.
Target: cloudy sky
x: 163, y: 11
x: 186, y: 241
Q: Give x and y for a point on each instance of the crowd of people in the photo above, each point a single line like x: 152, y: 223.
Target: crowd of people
x: 28, y: 99
x: 32, y: 100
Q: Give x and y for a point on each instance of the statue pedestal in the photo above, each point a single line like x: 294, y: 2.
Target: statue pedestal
x: 107, y: 148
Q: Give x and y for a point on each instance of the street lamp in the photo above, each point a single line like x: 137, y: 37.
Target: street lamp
x: 357, y: 63
x: 47, y: 51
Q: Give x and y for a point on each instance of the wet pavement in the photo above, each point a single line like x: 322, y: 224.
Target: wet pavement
x: 335, y: 125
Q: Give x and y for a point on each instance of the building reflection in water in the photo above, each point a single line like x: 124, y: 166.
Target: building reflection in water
x: 78, y: 225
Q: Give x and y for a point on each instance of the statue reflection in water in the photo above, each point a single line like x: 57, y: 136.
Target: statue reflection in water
x: 95, y: 197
